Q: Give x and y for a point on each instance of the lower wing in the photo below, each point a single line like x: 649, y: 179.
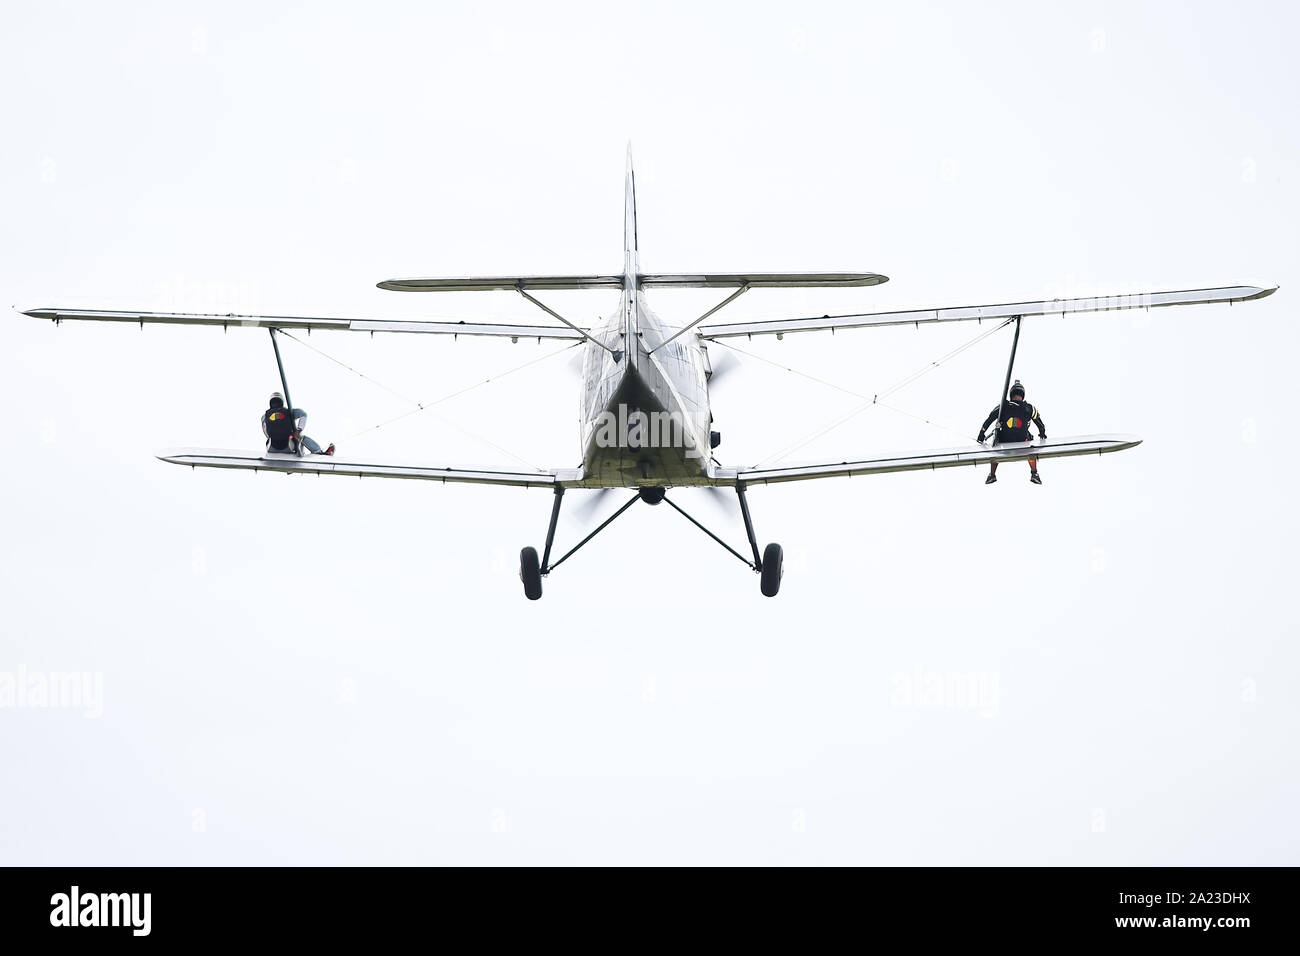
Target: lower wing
x: 573, y: 477
x: 323, y: 465
x: 930, y: 460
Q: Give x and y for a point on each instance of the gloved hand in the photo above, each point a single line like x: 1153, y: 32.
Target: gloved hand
x: 980, y: 438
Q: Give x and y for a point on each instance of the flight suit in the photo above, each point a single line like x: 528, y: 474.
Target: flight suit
x: 277, y: 426
x: 1013, y: 425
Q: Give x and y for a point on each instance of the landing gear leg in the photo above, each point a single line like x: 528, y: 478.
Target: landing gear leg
x: 550, y: 531
x: 530, y: 569
x: 770, y: 565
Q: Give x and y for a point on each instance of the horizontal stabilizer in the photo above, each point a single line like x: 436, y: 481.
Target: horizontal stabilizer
x: 763, y: 280
x: 714, y: 280
x: 510, y: 283
x: 930, y: 460
x: 323, y: 465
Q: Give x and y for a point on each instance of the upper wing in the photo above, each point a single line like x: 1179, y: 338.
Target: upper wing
x: 298, y: 322
x: 1144, y: 300
x: 929, y: 460
x: 321, y: 465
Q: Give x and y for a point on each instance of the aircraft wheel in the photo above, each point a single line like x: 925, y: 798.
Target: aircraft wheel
x: 772, y: 570
x: 530, y: 572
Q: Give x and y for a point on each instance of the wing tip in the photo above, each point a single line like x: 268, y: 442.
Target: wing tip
x: 174, y: 456
x: 1120, y: 442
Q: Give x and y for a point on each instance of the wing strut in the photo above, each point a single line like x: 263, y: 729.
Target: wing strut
x: 284, y: 383
x: 1015, y: 341
x: 550, y: 531
x: 686, y: 328
x: 549, y: 311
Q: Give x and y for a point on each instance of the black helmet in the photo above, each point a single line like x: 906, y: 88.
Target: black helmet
x: 277, y: 400
x: 1016, y: 388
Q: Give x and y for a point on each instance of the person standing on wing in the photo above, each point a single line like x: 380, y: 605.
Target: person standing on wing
x: 278, y: 427
x: 1013, y: 426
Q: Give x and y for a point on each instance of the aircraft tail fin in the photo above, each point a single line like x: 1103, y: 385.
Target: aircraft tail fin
x: 631, y: 255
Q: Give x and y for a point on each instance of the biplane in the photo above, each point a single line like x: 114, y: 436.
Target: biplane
x: 646, y: 420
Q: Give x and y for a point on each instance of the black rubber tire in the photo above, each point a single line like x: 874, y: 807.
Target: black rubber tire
x: 772, y: 570
x: 530, y: 570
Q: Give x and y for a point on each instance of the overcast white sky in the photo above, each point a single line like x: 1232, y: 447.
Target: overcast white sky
x: 329, y: 671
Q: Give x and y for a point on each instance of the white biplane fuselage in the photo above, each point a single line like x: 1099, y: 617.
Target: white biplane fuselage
x: 645, y: 399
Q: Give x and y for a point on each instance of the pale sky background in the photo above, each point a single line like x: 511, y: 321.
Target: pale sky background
x: 335, y: 671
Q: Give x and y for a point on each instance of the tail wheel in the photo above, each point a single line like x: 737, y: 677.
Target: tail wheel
x: 772, y: 570
x: 530, y: 572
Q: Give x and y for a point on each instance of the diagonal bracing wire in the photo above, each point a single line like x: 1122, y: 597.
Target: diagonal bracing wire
x: 427, y: 406
x: 341, y: 364
x: 867, y: 401
x: 468, y: 388
x: 920, y: 418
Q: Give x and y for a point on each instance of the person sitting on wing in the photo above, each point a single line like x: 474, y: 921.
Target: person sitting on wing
x: 1013, y: 426
x: 278, y: 427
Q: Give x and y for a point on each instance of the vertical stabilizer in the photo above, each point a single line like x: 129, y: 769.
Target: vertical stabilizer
x: 631, y: 256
